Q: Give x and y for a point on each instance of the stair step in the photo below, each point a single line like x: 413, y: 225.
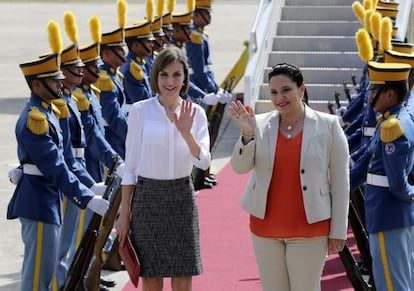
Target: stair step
x: 316, y: 59
x: 323, y: 75
x: 314, y: 43
x: 318, y: 13
x: 318, y: 28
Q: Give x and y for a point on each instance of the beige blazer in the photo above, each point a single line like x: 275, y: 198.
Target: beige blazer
x: 324, y: 168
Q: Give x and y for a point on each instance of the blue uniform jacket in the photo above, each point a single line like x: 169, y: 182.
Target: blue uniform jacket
x: 356, y: 105
x: 391, y: 207
x: 98, y: 151
x: 72, y: 129
x: 198, y: 53
x: 113, y: 108
x: 136, y: 79
x: 39, y: 198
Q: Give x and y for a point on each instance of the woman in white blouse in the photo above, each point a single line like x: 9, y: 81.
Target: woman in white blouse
x: 167, y: 137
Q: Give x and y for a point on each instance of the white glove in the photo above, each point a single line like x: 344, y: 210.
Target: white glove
x: 15, y: 175
x: 98, y: 205
x: 210, y: 99
x: 98, y: 188
x: 120, y: 169
x: 340, y: 111
x: 224, y: 97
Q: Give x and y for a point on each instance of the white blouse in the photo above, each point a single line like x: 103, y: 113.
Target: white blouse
x: 155, y: 149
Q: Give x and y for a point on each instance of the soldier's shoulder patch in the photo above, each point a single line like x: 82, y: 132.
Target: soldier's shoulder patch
x: 136, y: 71
x: 105, y: 83
x: 391, y: 129
x: 82, y: 102
x: 61, y: 108
x: 196, y: 37
x: 37, y: 121
x: 95, y: 89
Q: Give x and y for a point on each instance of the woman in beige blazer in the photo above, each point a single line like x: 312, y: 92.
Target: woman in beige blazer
x: 298, y: 193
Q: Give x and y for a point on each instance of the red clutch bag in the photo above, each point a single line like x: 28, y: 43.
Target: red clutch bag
x: 131, y: 261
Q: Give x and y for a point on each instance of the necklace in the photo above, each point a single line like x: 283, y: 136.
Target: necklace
x: 289, y: 127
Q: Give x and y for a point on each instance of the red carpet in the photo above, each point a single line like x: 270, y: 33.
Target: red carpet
x: 226, y: 248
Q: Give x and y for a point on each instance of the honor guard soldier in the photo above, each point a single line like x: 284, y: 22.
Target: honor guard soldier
x: 138, y: 38
x: 181, y: 23
x: 167, y: 27
x: 389, y: 198
x: 160, y: 41
x: 38, y: 198
x: 110, y: 84
x: 198, y: 49
x: 72, y: 128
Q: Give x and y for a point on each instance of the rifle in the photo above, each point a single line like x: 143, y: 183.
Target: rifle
x: 93, y: 274
x: 337, y: 101
x: 347, y: 92
x: 83, y: 255
x: 330, y: 107
x: 351, y: 266
x: 218, y: 114
x: 352, y: 271
x: 354, y: 82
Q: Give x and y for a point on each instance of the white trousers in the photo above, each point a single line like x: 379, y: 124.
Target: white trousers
x: 294, y: 264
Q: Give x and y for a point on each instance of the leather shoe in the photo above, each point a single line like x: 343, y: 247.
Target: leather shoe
x: 107, y: 282
x: 205, y: 185
x: 210, y: 180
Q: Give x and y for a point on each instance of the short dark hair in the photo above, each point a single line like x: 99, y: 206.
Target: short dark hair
x: 289, y: 70
x: 400, y: 89
x: 166, y: 57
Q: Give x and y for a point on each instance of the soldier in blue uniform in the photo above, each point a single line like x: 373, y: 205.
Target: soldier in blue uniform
x: 73, y: 129
x: 38, y: 198
x: 181, y: 34
x: 389, y: 198
x: 138, y: 38
x: 198, y: 49
x: 110, y: 84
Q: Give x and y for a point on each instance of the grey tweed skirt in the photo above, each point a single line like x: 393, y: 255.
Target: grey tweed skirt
x: 165, y: 228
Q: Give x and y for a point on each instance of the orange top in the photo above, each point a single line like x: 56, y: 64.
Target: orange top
x: 285, y: 213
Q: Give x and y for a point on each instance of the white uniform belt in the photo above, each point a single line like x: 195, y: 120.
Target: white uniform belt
x: 78, y: 153
x: 104, y: 122
x: 31, y: 169
x: 209, y: 68
x: 377, y: 180
x: 369, y: 131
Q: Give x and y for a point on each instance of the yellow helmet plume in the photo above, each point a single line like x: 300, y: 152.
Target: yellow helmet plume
x: 359, y: 11
x: 150, y: 10
x: 71, y: 27
x: 55, y: 38
x: 190, y: 5
x: 364, y: 45
x: 95, y: 29
x: 160, y: 8
x: 386, y: 33
x: 122, y: 7
x: 367, y: 20
x: 367, y: 4
x: 171, y: 6
x: 375, y: 24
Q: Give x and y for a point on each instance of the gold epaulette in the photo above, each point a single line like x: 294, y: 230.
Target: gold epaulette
x: 82, y: 102
x: 120, y: 75
x: 105, y: 82
x: 136, y: 71
x: 62, y: 108
x: 97, y: 91
x: 196, y: 37
x: 391, y: 129
x: 37, y: 122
